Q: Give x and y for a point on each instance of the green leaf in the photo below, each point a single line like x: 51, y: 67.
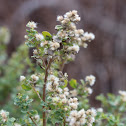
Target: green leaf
x: 30, y: 44
x: 43, y: 103
x: 33, y: 112
x: 46, y: 35
x: 73, y: 83
x: 65, y: 84
x: 82, y: 81
x: 26, y: 87
x: 58, y: 27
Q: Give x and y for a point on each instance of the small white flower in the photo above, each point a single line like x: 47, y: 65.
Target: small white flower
x: 53, y: 78
x: 39, y: 37
x: 59, y: 90
x: 49, y: 86
x: 73, y: 105
x: 73, y: 93
x: 72, y: 26
x: 35, y: 51
x: 37, y: 117
x: 66, y: 89
x: 54, y: 45
x: 88, y: 36
x: 66, y: 93
x: 59, y: 18
x: 123, y: 95
x: 16, y: 124
x: 77, y: 118
x: 75, y: 48
x: 34, y: 77
x: 73, y: 113
x: 55, y: 99
x: 66, y: 75
x: 31, y: 24
x: 65, y: 21
x: 22, y: 78
x: 27, y: 97
x: 68, y: 14
x: 91, y: 112
x: 64, y: 101
x: 74, y: 12
x: 100, y: 110
x: 65, y: 109
x: 91, y: 120
x: 26, y: 37
x: 89, y: 124
x: 72, y: 121
x: 75, y: 100
x: 81, y: 112
x: 77, y: 19
x: 85, y: 45
x: 4, y: 115
x: 89, y: 90
x: 90, y: 79
x: 62, y: 96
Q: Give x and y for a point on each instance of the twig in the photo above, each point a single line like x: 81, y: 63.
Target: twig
x: 31, y: 119
x: 64, y: 123
x: 62, y: 64
x: 44, y: 90
x: 37, y: 93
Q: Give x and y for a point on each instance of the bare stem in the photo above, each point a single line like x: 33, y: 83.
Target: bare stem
x: 44, y: 90
x: 31, y: 119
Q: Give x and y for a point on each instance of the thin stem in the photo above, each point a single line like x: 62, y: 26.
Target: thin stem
x: 44, y: 90
x: 64, y: 123
x: 62, y: 64
x: 41, y: 58
x: 37, y: 93
x: 31, y: 119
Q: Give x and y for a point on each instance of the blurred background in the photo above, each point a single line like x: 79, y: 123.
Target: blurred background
x: 105, y: 56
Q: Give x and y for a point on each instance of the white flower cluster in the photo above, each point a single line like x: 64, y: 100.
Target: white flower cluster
x: 70, y: 16
x: 90, y: 116
x: 73, y: 103
x: 90, y: 79
x: 77, y: 118
x: 53, y: 84
x: 123, y: 95
x: 35, y: 52
x: 100, y: 110
x: 37, y: 118
x: 4, y: 114
x: 68, y: 38
x: 16, y: 124
x: 39, y: 37
x: 75, y: 48
x: 69, y: 31
x: 22, y: 78
x: 34, y: 78
x: 54, y: 45
x: 73, y: 93
x: 89, y: 90
x: 31, y: 24
x: 61, y: 95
